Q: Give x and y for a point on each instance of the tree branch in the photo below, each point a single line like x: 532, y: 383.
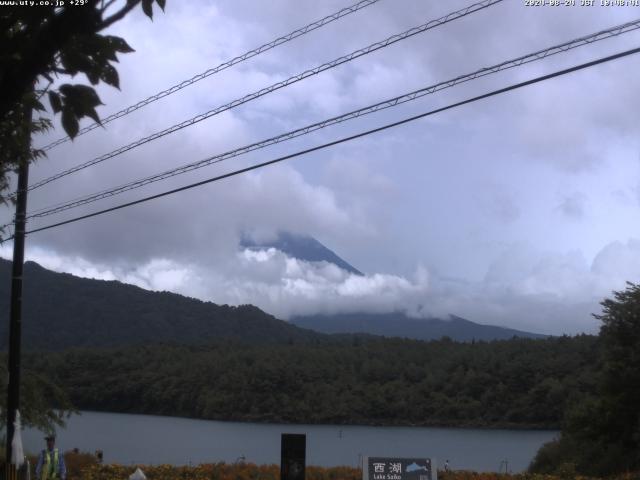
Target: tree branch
x: 119, y: 14
x: 45, y: 90
x: 105, y: 7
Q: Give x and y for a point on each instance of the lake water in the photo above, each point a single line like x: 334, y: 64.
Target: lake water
x: 148, y: 439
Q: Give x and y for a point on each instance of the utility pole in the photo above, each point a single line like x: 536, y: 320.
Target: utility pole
x: 15, y: 315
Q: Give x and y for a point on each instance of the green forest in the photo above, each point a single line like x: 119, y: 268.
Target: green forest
x: 515, y: 383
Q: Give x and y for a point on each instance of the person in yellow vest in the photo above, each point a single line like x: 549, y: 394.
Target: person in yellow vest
x: 51, y: 462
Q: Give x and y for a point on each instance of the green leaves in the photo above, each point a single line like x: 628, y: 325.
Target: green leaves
x: 92, y: 55
x: 68, y: 42
x: 147, y: 8
x: 110, y: 76
x: 601, y: 432
x: 44, y: 404
x: 118, y: 44
x: 70, y: 123
x: 75, y: 102
x: 55, y: 101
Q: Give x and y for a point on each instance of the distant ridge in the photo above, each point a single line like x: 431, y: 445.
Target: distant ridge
x: 301, y: 247
x: 400, y: 325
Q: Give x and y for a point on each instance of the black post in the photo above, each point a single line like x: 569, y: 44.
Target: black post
x: 15, y: 325
x: 293, y: 456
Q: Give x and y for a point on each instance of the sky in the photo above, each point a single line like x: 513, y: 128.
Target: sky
x: 519, y: 210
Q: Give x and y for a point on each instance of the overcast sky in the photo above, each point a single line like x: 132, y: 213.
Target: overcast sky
x: 520, y: 210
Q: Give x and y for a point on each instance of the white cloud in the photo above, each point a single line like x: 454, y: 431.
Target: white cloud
x: 619, y: 262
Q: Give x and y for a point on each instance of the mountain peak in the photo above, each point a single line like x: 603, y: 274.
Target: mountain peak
x: 301, y: 247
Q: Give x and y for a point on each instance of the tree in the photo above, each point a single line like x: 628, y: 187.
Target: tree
x: 44, y: 403
x: 620, y: 384
x: 38, y: 44
x: 601, y: 434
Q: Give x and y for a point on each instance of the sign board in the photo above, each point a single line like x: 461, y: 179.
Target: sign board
x: 389, y: 468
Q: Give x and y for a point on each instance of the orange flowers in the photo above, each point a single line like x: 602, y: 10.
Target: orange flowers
x: 250, y: 471
x: 216, y: 471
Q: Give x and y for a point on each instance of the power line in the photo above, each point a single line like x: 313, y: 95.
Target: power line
x: 223, y: 66
x: 392, y: 102
x: 346, y: 139
x: 276, y: 86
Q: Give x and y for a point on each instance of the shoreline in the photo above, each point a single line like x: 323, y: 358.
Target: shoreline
x: 278, y: 421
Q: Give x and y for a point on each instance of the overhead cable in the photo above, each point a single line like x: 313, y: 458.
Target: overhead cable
x: 392, y: 102
x: 223, y: 66
x: 276, y: 86
x: 345, y: 139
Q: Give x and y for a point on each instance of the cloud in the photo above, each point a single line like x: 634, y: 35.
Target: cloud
x: 573, y: 206
x: 287, y: 286
x: 528, y: 290
x: 498, y: 201
x: 619, y: 261
x: 205, y: 224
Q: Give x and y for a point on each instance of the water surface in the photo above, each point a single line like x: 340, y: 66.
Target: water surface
x: 148, y: 439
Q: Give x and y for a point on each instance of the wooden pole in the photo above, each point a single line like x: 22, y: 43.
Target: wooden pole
x: 15, y: 315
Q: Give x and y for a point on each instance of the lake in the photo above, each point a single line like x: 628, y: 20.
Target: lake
x: 147, y: 439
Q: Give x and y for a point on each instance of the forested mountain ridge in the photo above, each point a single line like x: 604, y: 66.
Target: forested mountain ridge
x: 62, y: 311
x: 518, y: 383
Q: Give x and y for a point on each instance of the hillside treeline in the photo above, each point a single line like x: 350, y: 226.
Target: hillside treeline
x: 601, y: 431
x: 513, y: 383
x: 62, y: 311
